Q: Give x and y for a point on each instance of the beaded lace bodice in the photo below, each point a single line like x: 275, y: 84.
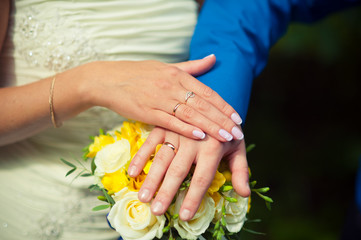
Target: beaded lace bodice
x: 46, y: 37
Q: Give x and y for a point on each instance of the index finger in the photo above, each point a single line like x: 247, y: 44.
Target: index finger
x: 207, y: 93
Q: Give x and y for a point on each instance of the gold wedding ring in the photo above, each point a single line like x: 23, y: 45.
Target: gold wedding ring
x: 175, y: 108
x: 189, y: 95
x: 171, y: 146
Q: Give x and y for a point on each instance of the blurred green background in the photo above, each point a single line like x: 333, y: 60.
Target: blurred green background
x: 305, y: 119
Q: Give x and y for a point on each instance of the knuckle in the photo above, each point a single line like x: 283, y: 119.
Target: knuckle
x: 188, y: 112
x: 208, y: 92
x: 202, y: 105
x: 177, y: 172
x: 226, y: 108
x: 163, y: 83
x: 201, y: 182
x: 161, y: 158
x: 173, y: 71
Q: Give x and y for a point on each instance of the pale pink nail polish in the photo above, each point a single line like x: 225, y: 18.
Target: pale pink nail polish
x: 144, y: 195
x: 132, y: 170
x: 237, y: 133
x: 236, y: 118
x: 210, y: 55
x: 199, y: 134
x: 185, y: 214
x: 226, y: 135
x: 157, y: 207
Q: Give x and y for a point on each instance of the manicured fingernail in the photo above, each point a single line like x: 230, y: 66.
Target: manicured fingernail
x: 199, y: 134
x: 226, y: 135
x: 210, y: 55
x: 157, y: 207
x: 237, y: 133
x: 144, y: 195
x: 185, y: 214
x: 132, y: 170
x: 236, y: 118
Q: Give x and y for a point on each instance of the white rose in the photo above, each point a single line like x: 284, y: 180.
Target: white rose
x: 112, y: 157
x: 201, y: 220
x: 133, y: 219
x: 235, y: 212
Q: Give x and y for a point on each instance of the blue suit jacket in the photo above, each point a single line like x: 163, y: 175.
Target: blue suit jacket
x: 240, y: 34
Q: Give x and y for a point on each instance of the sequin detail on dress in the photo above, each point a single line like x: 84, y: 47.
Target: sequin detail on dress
x: 56, y: 45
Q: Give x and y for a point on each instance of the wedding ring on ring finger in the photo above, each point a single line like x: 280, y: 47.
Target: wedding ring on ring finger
x: 188, y: 96
x: 168, y: 144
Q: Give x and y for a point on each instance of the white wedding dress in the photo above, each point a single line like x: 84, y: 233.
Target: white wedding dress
x: 46, y: 37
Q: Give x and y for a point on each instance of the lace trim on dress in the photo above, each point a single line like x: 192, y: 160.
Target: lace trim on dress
x: 40, y: 43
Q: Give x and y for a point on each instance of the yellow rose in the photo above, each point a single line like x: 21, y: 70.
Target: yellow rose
x: 235, y: 212
x: 217, y: 182
x: 99, y: 142
x: 112, y: 157
x: 116, y: 181
x: 199, y: 223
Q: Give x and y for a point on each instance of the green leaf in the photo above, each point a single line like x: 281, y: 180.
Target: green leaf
x: 268, y: 205
x: 68, y: 163
x: 93, y: 166
x: 175, y: 216
x: 109, y: 198
x: 216, y: 226
x: 70, y: 172
x: 230, y: 199
x: 94, y: 187
x: 226, y: 188
x: 250, y: 147
x: 86, y: 175
x: 102, y: 198
x: 252, y: 231
x: 267, y: 199
x: 223, y: 221
x: 166, y: 229
x: 252, y: 184
x: 261, y: 190
x: 101, y: 207
x: 253, y: 220
x: 101, y: 131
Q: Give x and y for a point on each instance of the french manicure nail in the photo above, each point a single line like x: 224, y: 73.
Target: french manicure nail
x: 199, y: 134
x: 210, y: 55
x: 226, y: 135
x: 157, y: 207
x: 144, y: 195
x: 236, y: 118
x: 132, y: 170
x: 185, y: 214
x: 237, y: 133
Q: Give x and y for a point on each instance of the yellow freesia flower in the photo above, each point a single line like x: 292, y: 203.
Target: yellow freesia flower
x: 99, y: 142
x: 132, y: 132
x: 228, y: 175
x: 217, y: 182
x: 136, y: 183
x: 116, y: 181
x: 147, y: 166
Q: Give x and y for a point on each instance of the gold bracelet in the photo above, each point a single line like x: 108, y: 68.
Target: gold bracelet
x: 51, y: 104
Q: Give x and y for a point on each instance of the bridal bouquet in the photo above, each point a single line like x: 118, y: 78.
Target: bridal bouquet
x: 222, y: 212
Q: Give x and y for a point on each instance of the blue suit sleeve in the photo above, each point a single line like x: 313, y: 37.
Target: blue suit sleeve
x: 240, y: 34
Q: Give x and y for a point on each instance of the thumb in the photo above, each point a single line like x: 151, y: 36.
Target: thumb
x: 197, y: 67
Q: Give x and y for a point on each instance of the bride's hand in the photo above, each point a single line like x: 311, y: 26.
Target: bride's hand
x: 155, y: 93
x: 169, y: 168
